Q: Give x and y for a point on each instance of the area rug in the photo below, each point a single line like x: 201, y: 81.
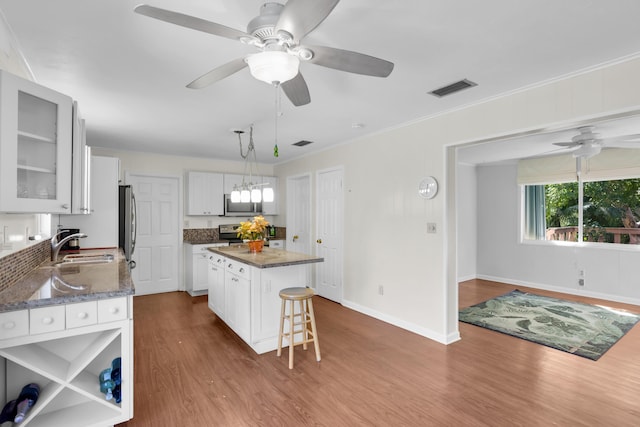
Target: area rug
x: 582, y: 329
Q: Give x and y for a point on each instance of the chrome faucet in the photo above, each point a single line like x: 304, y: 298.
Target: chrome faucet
x: 57, y: 245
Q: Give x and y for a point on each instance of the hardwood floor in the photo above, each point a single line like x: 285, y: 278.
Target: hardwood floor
x: 192, y: 370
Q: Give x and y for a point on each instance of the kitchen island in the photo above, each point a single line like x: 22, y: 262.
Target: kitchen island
x: 60, y: 326
x: 244, y: 289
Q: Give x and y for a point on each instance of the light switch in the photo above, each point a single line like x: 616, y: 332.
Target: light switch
x: 431, y: 227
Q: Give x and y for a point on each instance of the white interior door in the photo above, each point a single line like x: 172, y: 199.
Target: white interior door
x: 329, y: 225
x: 157, y: 254
x: 299, y: 217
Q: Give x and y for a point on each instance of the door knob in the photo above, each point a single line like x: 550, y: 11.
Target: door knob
x: 319, y: 241
x: 296, y: 237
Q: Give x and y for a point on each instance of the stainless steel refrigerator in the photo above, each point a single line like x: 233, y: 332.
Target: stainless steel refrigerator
x: 127, y: 223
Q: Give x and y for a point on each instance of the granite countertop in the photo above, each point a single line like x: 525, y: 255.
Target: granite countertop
x: 70, y: 283
x: 268, y: 258
x: 204, y: 241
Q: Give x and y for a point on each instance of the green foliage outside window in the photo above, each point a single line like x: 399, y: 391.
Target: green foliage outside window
x: 613, y: 203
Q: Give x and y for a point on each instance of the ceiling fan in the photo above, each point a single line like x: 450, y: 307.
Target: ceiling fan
x: 277, y: 33
x: 587, y: 143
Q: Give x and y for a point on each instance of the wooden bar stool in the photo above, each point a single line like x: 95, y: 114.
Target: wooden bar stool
x: 303, y: 323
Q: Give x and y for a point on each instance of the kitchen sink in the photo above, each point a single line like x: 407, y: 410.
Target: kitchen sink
x: 87, y: 259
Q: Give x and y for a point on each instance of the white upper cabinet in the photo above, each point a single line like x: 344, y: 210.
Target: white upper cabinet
x: 35, y: 147
x: 270, y: 208
x: 81, y: 166
x: 205, y: 194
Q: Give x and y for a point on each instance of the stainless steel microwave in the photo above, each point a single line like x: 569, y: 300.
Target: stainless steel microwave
x: 241, y: 209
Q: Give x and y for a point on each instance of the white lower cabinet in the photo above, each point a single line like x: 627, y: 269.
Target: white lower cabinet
x: 66, y: 364
x: 237, y: 288
x: 216, y: 284
x: 247, y: 298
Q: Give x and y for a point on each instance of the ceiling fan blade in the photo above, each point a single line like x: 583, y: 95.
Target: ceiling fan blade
x: 218, y: 74
x: 352, y: 62
x: 191, y: 22
x: 296, y: 90
x: 566, y: 144
x: 300, y: 17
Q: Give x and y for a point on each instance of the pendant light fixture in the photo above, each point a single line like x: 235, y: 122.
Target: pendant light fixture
x: 250, y: 191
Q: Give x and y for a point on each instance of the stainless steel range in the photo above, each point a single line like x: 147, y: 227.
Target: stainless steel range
x: 230, y: 232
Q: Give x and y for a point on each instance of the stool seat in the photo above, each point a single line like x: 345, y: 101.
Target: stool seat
x: 296, y: 294
x: 305, y: 327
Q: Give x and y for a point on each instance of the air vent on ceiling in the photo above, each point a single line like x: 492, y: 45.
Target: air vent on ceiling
x: 302, y: 143
x: 453, y: 88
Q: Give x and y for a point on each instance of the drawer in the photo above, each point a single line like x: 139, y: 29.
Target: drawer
x: 14, y: 324
x: 46, y: 319
x: 81, y: 314
x: 111, y: 310
x: 238, y: 268
x: 216, y: 260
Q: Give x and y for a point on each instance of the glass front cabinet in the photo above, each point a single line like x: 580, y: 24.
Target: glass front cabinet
x: 35, y: 147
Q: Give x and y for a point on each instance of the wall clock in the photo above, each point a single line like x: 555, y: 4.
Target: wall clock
x: 428, y: 187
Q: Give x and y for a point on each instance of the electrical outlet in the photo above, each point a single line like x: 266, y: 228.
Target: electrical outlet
x: 431, y: 227
x: 380, y: 290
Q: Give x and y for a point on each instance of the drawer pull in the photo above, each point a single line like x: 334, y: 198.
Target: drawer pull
x: 9, y: 325
x: 114, y: 310
x: 47, y: 320
x: 82, y: 315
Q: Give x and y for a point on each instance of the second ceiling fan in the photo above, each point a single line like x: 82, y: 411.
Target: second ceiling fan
x: 277, y: 33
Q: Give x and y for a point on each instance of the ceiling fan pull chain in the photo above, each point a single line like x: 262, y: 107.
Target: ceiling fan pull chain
x: 277, y: 112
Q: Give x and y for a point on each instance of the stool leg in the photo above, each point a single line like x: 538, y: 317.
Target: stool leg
x: 303, y: 321
x: 316, y: 344
x: 291, y: 322
x: 282, y: 305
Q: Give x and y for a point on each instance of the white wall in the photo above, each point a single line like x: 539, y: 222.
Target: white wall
x: 467, y: 222
x: 610, y: 273
x: 158, y: 164
x: 381, y: 177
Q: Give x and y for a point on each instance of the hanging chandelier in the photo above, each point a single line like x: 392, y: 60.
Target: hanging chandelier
x: 249, y: 191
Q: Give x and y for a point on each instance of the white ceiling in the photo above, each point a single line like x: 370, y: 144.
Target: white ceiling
x: 128, y: 72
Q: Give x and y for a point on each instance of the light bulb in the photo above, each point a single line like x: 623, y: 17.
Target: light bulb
x: 235, y: 196
x: 267, y: 194
x: 245, y: 196
x: 256, y: 195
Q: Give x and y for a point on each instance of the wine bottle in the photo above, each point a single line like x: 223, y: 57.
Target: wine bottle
x: 106, y: 383
x: 115, y: 370
x: 28, y: 397
x: 9, y: 412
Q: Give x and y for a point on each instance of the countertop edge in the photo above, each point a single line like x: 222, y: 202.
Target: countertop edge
x: 243, y: 259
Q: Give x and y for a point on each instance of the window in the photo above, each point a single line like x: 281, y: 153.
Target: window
x: 610, y: 211
x: 582, y: 199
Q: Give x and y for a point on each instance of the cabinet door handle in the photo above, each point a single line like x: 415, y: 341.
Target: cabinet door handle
x: 65, y: 206
x: 319, y: 241
x: 47, y: 320
x: 82, y: 315
x: 241, y: 270
x: 114, y: 310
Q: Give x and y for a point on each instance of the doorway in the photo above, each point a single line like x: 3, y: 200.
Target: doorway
x: 329, y: 232
x: 299, y: 216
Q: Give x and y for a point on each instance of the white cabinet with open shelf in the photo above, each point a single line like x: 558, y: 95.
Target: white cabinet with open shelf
x: 35, y: 147
x: 66, y: 365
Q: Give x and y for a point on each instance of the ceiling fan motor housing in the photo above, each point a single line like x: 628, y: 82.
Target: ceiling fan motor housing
x: 262, y: 26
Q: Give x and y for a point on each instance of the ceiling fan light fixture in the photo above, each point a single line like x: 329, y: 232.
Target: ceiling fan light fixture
x: 273, y: 66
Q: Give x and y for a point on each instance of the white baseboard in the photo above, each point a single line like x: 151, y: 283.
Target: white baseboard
x: 411, y: 327
x: 579, y: 292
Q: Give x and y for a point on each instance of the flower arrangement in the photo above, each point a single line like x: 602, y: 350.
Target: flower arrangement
x: 253, y: 230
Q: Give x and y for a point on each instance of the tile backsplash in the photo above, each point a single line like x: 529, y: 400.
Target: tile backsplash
x: 18, y: 264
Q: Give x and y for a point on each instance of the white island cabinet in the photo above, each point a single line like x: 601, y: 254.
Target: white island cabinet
x: 249, y: 302
x: 35, y: 147
x: 196, y: 262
